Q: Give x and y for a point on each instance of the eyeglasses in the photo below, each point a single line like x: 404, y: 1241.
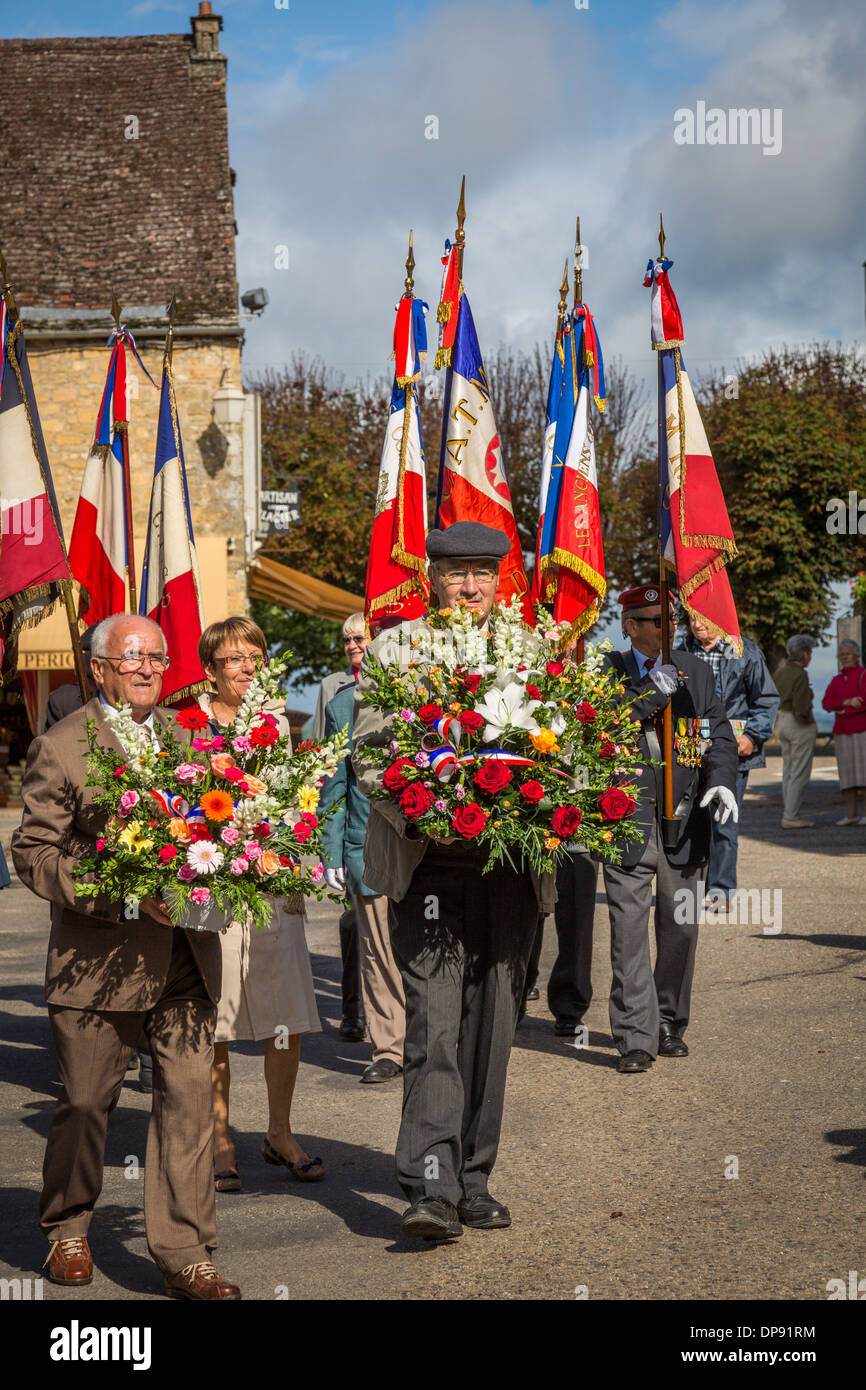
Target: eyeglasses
x: 354, y: 637
x: 234, y: 663
x: 133, y: 661
x: 484, y: 574
x: 656, y: 622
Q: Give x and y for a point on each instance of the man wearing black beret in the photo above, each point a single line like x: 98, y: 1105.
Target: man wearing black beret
x: 462, y: 943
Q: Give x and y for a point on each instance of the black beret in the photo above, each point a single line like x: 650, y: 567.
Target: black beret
x: 467, y: 540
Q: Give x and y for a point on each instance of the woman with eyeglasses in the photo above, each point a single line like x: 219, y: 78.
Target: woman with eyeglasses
x: 267, y: 987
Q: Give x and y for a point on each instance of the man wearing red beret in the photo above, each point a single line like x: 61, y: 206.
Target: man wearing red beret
x: 649, y: 1010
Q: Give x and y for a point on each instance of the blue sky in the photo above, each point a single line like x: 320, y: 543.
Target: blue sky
x: 549, y: 110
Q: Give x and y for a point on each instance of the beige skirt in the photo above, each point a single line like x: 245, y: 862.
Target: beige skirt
x: 267, y: 981
x: 851, y: 757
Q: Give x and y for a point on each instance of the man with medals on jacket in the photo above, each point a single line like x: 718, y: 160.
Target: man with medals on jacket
x: 649, y: 1009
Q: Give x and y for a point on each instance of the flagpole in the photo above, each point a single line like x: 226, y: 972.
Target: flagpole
x: 670, y: 824
x: 460, y: 243
x: 122, y: 426
x: 578, y: 299
x: 65, y: 585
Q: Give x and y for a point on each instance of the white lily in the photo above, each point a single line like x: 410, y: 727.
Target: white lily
x: 507, y: 709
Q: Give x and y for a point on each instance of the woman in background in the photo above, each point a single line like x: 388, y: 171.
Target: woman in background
x: 846, y: 695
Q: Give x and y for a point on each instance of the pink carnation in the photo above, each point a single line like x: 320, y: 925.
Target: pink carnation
x: 127, y: 802
x: 200, y: 895
x: 186, y: 873
x: 119, y: 771
x: 240, y: 865
x: 101, y: 843
x: 242, y: 743
x: 230, y: 835
x: 187, y: 772
x: 318, y: 873
x: 252, y: 849
x: 234, y: 774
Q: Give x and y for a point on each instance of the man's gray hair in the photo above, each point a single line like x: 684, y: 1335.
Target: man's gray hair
x: 849, y: 642
x: 798, y: 646
x: 101, y: 635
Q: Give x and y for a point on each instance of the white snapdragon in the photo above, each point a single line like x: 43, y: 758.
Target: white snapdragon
x: 135, y: 740
x: 593, y: 657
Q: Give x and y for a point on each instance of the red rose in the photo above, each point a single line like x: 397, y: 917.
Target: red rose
x: 311, y: 820
x: 532, y: 791
x: 301, y: 832
x: 415, y: 800
x: 492, y: 776
x: 555, y: 668
x: 428, y: 714
x: 262, y: 830
x: 615, y: 803
x: 394, y: 778
x: 264, y: 735
x: 192, y: 718
x: 533, y: 692
x: 565, y: 821
x: 469, y: 820
x: 199, y: 832
x: 472, y: 683
x: 585, y: 712
x: 471, y: 721
x: 607, y: 747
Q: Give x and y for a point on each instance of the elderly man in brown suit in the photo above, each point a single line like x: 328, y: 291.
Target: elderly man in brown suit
x: 109, y: 977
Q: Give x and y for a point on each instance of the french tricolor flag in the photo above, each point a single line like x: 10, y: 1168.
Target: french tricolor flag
x: 170, y: 588
x: 32, y: 558
x: 98, y: 547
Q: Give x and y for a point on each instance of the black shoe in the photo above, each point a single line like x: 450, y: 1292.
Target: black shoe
x: 353, y: 1029
x: 533, y: 993
x: 566, y: 1027
x: 670, y: 1042
x: 385, y: 1070
x: 431, y: 1218
x: 483, y: 1212
x: 635, y: 1061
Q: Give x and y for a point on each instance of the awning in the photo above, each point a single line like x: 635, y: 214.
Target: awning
x: 276, y: 583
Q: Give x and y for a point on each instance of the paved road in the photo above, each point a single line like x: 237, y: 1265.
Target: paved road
x: 615, y: 1183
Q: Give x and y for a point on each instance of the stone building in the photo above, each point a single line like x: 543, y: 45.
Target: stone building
x: 116, y: 177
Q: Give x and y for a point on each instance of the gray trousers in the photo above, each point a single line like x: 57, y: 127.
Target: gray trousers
x: 798, y: 748
x: 462, y: 942
x: 640, y: 998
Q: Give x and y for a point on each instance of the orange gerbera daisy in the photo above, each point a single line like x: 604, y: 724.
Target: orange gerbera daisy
x: 217, y: 805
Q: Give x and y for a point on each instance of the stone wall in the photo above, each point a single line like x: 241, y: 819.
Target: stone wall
x: 68, y: 380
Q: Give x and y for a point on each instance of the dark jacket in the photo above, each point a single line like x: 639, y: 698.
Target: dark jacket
x: 345, y: 830
x: 748, y: 694
x: 65, y: 700
x: 694, y: 698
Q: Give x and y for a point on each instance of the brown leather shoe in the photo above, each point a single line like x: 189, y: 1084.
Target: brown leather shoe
x: 201, y: 1282
x: 70, y: 1261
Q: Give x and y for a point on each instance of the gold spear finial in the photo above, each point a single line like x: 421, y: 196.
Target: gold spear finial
x: 661, y: 238
x: 115, y: 309
x: 578, y: 271
x: 169, y: 337
x: 460, y: 235
x: 410, y: 266
x: 11, y: 310
x: 563, y: 297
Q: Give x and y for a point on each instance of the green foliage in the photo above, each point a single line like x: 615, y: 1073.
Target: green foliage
x: 316, y: 644
x: 792, y: 437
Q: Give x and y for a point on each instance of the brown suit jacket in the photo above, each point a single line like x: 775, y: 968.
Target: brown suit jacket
x: 96, y: 958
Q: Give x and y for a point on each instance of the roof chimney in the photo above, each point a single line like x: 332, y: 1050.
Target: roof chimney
x: 205, y: 33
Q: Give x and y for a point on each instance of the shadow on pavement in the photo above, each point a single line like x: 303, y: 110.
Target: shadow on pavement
x: 853, y: 1139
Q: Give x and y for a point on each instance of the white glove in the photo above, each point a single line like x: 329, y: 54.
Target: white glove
x: 336, y: 879
x: 727, y: 804
x: 664, y: 678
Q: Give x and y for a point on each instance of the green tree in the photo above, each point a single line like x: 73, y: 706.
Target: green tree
x: 788, y: 434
